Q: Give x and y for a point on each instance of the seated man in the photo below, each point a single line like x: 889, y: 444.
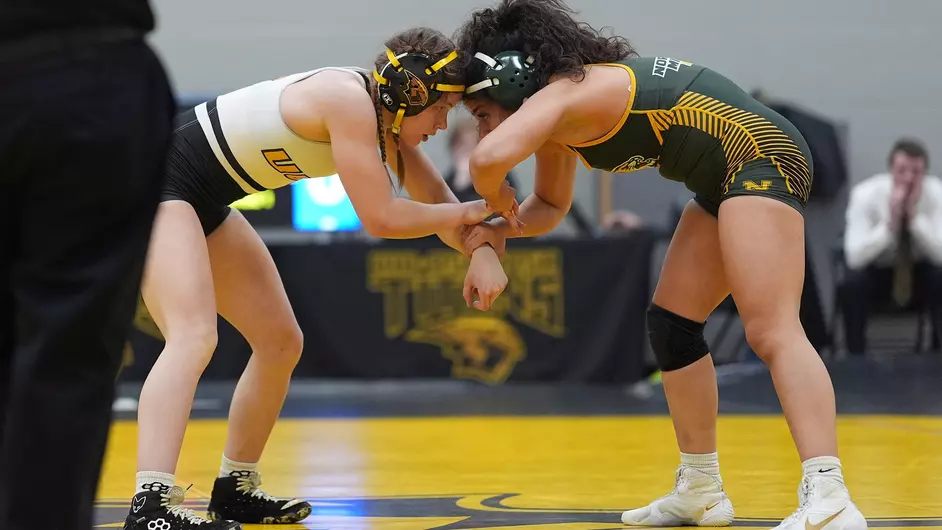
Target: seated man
x: 893, y: 242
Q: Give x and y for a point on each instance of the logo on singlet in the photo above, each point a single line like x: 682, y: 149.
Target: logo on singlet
x: 417, y: 93
x: 663, y: 64
x: 750, y: 185
x: 279, y: 160
x: 634, y: 164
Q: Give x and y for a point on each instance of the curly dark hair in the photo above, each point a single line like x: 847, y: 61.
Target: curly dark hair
x: 544, y: 29
x: 416, y: 40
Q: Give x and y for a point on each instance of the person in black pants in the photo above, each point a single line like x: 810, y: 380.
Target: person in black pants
x: 873, y: 286
x: 84, y: 129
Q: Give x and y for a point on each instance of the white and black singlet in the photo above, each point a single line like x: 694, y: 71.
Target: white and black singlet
x: 238, y: 144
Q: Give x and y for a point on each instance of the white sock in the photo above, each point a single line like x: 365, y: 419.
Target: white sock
x: 708, y: 463
x: 829, y: 466
x: 153, y: 481
x: 230, y: 466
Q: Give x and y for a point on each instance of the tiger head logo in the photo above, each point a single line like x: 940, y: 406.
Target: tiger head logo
x: 416, y: 92
x: 484, y: 349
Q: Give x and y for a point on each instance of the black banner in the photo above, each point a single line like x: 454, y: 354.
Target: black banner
x: 572, y: 311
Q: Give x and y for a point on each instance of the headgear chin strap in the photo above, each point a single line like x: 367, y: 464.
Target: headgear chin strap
x: 509, y: 78
x: 411, y: 82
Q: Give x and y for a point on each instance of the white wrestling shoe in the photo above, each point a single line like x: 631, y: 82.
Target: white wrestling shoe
x: 698, y: 499
x: 824, y: 504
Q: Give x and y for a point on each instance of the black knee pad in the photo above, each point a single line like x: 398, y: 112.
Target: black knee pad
x: 677, y: 341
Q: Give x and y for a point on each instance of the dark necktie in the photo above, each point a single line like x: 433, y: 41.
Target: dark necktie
x: 903, y: 268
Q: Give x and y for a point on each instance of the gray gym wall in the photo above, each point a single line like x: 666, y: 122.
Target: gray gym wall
x: 872, y: 65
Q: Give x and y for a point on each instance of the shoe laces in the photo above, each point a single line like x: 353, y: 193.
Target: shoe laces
x: 172, y: 502
x: 804, y: 501
x: 681, y: 484
x: 678, y: 478
x: 680, y: 481
x: 250, y: 486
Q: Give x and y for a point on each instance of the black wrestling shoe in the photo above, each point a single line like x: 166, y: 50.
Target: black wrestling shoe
x: 161, y: 509
x: 238, y: 497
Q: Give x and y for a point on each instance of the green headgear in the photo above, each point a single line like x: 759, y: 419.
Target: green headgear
x: 508, y: 79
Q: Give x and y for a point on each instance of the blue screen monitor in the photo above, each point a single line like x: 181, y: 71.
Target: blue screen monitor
x: 322, y: 205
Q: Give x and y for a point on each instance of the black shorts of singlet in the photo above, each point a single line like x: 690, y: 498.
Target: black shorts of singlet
x: 195, y: 175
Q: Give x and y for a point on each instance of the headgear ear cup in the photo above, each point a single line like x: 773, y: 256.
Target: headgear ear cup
x: 509, y: 78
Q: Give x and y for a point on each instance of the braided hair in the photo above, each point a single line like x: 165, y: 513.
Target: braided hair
x: 380, y: 137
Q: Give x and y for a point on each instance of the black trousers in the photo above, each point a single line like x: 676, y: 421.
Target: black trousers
x: 83, y: 137
x: 867, y: 288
